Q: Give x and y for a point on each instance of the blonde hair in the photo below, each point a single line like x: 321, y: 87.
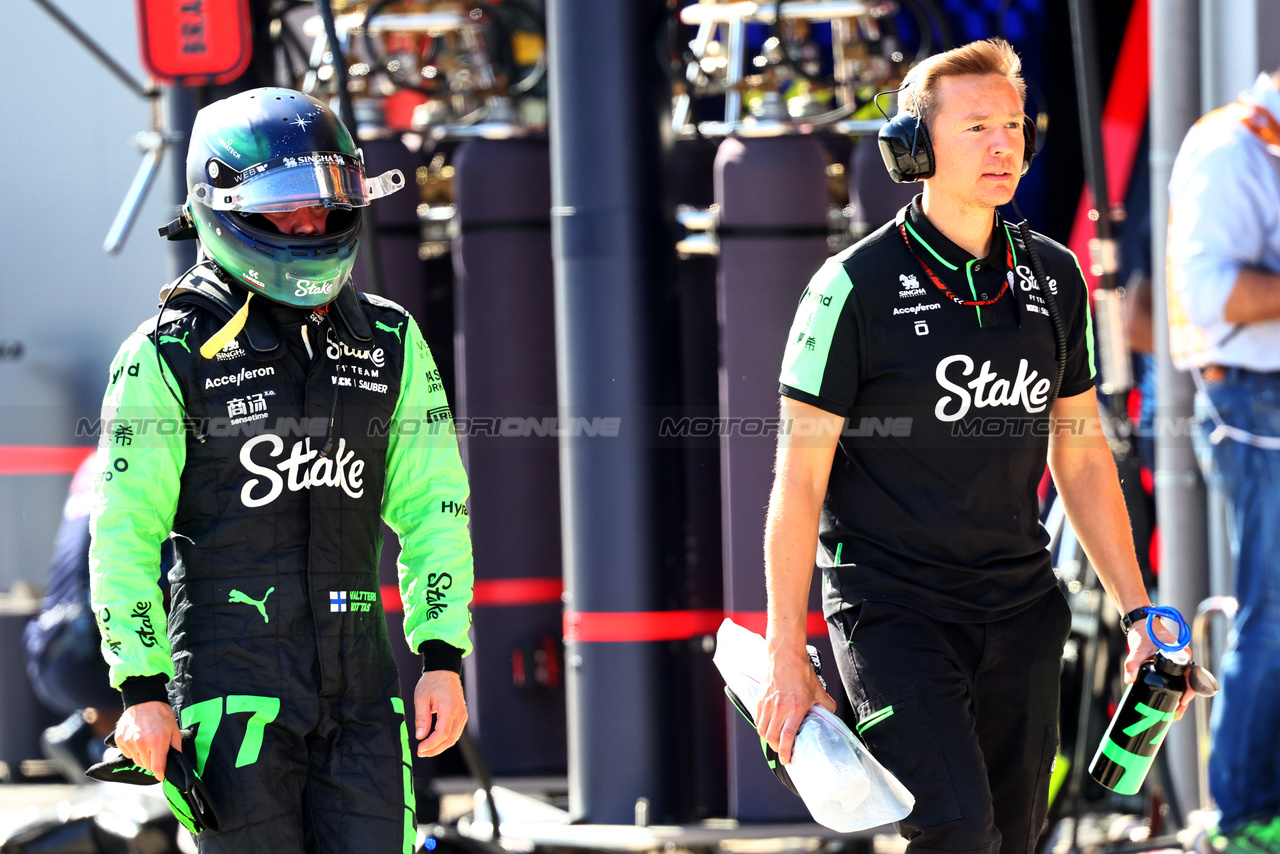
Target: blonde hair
x: 990, y: 56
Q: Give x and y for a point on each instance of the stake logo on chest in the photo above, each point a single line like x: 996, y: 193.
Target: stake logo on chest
x: 304, y: 468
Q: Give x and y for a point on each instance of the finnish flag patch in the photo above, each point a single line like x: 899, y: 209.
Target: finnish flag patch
x: 337, y: 600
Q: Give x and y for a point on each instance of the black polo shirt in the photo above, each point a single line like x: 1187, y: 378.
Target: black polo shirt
x: 932, y: 498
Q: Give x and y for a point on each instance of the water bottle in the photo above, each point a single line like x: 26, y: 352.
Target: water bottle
x: 1143, y: 719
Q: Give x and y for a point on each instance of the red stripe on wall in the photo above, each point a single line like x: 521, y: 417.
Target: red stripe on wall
x: 517, y: 591
x: 609, y: 626
x: 41, y: 459
x: 391, y: 602
x: 757, y: 621
x: 616, y: 627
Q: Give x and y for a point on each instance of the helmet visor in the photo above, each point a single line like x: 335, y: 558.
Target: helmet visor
x: 327, y: 179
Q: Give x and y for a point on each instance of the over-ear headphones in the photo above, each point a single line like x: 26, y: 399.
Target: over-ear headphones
x: 908, y: 152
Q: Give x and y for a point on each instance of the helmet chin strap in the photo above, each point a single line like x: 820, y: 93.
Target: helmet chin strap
x: 228, y: 332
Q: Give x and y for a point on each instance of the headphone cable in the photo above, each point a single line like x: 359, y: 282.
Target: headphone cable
x: 1042, y: 282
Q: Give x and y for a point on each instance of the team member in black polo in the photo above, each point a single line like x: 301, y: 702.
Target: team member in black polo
x: 934, y: 339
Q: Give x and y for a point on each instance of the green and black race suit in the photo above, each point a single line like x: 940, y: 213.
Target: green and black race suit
x: 274, y: 482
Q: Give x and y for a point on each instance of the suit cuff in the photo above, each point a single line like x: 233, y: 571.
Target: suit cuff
x: 438, y: 655
x: 144, y: 689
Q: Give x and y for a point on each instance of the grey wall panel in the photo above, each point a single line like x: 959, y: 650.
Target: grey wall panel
x: 67, y: 140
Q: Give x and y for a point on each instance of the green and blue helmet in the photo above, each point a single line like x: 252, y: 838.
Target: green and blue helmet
x: 269, y: 151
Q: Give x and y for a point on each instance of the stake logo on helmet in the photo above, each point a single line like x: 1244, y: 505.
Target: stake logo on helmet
x: 271, y: 151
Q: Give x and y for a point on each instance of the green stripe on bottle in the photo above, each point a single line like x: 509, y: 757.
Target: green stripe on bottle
x: 1135, y: 767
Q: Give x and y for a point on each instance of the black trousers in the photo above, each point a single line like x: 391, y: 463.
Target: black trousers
x: 964, y: 714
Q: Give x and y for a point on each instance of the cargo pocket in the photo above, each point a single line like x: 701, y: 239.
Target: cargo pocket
x: 896, y: 728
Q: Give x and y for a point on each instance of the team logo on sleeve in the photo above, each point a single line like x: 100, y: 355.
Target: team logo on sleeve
x: 133, y: 371
x: 811, y: 302
x: 438, y: 583
x: 145, y: 631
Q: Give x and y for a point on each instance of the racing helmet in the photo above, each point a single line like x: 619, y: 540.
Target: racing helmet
x: 269, y: 151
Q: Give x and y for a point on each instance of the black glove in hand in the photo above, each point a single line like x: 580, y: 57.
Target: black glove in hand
x: 186, y: 794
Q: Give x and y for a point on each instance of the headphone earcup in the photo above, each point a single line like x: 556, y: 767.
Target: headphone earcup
x: 1028, y: 142
x: 924, y: 152
x: 906, y: 149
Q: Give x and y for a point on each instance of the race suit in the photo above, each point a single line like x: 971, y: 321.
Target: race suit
x: 289, y: 448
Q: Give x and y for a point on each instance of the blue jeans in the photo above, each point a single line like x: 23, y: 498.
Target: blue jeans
x: 1244, y: 765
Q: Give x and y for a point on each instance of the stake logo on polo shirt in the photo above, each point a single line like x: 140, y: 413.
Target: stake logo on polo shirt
x: 1028, y: 388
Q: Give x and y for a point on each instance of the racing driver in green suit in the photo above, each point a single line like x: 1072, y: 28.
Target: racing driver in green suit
x: 268, y: 421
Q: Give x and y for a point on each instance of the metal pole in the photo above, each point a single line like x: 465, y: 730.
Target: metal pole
x: 1230, y: 39
x: 1180, y: 493
x: 1085, y: 55
x: 180, y: 114
x: 1113, y: 351
x: 142, y: 91
x: 372, y: 257
x: 610, y: 251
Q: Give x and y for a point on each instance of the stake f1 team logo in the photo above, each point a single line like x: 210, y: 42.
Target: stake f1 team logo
x: 312, y: 287
x: 988, y: 388
x: 336, y: 349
